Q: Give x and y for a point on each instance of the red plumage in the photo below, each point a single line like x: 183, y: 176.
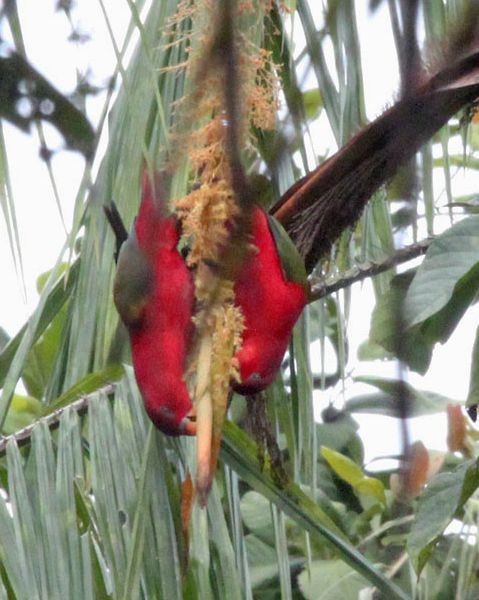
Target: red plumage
x: 154, y: 294
x: 271, y: 305
x: 162, y: 329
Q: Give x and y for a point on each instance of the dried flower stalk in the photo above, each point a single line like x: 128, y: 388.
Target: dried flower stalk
x: 209, y: 212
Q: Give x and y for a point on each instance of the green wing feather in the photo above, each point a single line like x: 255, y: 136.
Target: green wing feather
x: 133, y: 283
x: 293, y: 264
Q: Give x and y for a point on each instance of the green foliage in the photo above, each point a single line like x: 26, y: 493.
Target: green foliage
x: 473, y: 394
x: 420, y: 403
x: 441, y: 501
x: 24, y: 410
x: 449, y: 260
x: 312, y: 103
x: 352, y: 474
x: 329, y: 580
x: 414, y: 349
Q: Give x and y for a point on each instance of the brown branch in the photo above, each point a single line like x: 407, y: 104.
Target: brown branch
x: 319, y: 207
x: 80, y: 406
x: 227, y: 54
x: 362, y: 272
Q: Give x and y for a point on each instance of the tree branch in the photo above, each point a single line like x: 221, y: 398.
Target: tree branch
x: 22, y: 436
x: 364, y: 271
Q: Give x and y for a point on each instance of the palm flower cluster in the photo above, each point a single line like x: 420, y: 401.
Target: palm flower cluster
x: 210, y: 211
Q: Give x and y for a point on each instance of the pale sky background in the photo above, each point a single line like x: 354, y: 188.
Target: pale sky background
x: 42, y: 234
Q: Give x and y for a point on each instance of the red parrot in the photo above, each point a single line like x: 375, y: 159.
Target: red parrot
x: 271, y: 303
x: 154, y: 295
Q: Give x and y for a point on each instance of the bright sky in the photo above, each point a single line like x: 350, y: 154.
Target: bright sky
x: 40, y: 226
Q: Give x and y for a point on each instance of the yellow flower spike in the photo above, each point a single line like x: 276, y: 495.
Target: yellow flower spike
x: 226, y: 340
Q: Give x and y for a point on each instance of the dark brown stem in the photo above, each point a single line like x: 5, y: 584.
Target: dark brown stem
x: 228, y: 55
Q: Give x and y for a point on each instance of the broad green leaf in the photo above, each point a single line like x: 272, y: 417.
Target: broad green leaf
x: 337, y: 429
x: 369, y: 350
x: 445, y: 494
x: 450, y: 256
x: 372, y: 487
x: 312, y: 103
x: 418, y: 341
x: 22, y: 412
x: 262, y: 560
x: 331, y: 580
x: 256, y: 514
x: 473, y: 394
x: 350, y: 472
x: 343, y: 466
x: 4, y: 338
x: 414, y: 349
x: 439, y: 327
x: 43, y: 277
x: 386, y: 403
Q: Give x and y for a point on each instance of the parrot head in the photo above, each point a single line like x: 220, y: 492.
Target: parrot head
x: 259, y: 360
x: 175, y: 417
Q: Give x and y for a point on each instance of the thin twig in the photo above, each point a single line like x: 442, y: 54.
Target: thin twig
x: 359, y: 273
x: 80, y: 406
